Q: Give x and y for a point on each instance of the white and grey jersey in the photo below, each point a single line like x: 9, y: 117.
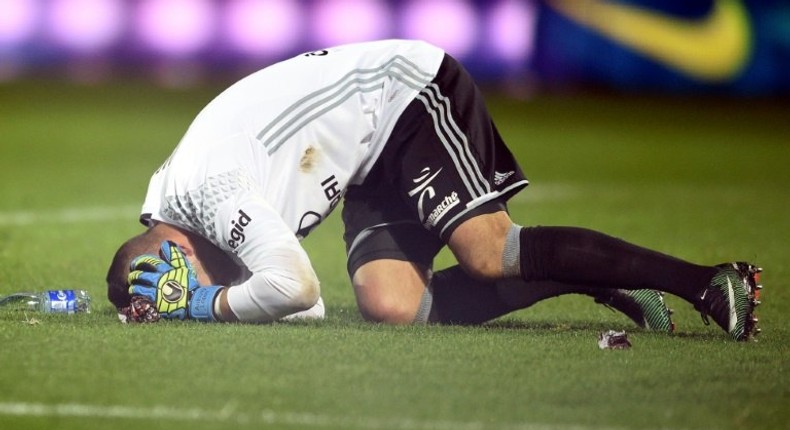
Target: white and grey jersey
x: 298, y: 132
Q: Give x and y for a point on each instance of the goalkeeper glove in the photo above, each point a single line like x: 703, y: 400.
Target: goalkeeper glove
x: 170, y: 282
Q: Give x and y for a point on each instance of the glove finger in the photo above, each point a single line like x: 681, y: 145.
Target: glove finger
x: 146, y: 279
x: 149, y: 263
x: 140, y: 290
x: 173, y: 254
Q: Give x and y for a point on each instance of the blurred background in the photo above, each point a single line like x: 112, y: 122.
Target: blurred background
x: 731, y: 47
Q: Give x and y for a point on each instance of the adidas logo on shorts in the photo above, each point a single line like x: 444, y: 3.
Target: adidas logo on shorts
x: 499, y: 178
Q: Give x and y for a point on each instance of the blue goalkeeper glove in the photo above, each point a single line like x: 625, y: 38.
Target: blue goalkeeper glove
x: 170, y: 282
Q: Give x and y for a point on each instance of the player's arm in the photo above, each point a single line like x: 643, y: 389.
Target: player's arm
x: 283, y: 281
x: 224, y: 313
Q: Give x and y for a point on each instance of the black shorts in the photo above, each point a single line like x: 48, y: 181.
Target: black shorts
x: 444, y: 163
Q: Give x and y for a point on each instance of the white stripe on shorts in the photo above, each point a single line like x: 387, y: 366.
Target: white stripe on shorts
x: 454, y: 140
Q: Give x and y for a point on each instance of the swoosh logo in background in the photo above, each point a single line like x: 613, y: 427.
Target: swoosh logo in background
x: 715, y: 47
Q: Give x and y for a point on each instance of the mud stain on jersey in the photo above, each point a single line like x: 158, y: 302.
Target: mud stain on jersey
x: 308, y: 160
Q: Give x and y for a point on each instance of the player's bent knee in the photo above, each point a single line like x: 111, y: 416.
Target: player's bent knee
x: 387, y: 312
x: 388, y: 291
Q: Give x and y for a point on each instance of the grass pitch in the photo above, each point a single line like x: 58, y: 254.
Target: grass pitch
x: 705, y: 180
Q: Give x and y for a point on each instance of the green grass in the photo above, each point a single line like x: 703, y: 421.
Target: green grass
x: 705, y: 180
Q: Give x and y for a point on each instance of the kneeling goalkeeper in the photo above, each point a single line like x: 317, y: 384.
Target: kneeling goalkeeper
x: 398, y: 131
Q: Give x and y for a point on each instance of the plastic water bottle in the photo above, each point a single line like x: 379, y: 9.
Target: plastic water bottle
x: 52, y: 301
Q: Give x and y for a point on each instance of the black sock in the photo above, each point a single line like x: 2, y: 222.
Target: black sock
x: 460, y: 299
x: 580, y: 256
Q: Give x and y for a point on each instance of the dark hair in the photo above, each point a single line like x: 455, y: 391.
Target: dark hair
x: 117, y: 285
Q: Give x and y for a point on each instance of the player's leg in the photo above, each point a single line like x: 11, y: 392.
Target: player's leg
x: 577, y: 256
x: 454, y: 167
x: 393, y: 283
x: 395, y: 292
x: 389, y: 265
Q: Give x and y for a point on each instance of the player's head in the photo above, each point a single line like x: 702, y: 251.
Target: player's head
x: 117, y: 286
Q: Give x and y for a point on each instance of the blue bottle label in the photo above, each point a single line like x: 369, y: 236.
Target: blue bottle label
x: 62, y: 301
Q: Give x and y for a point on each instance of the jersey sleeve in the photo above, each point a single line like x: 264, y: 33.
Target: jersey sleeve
x: 283, y: 281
